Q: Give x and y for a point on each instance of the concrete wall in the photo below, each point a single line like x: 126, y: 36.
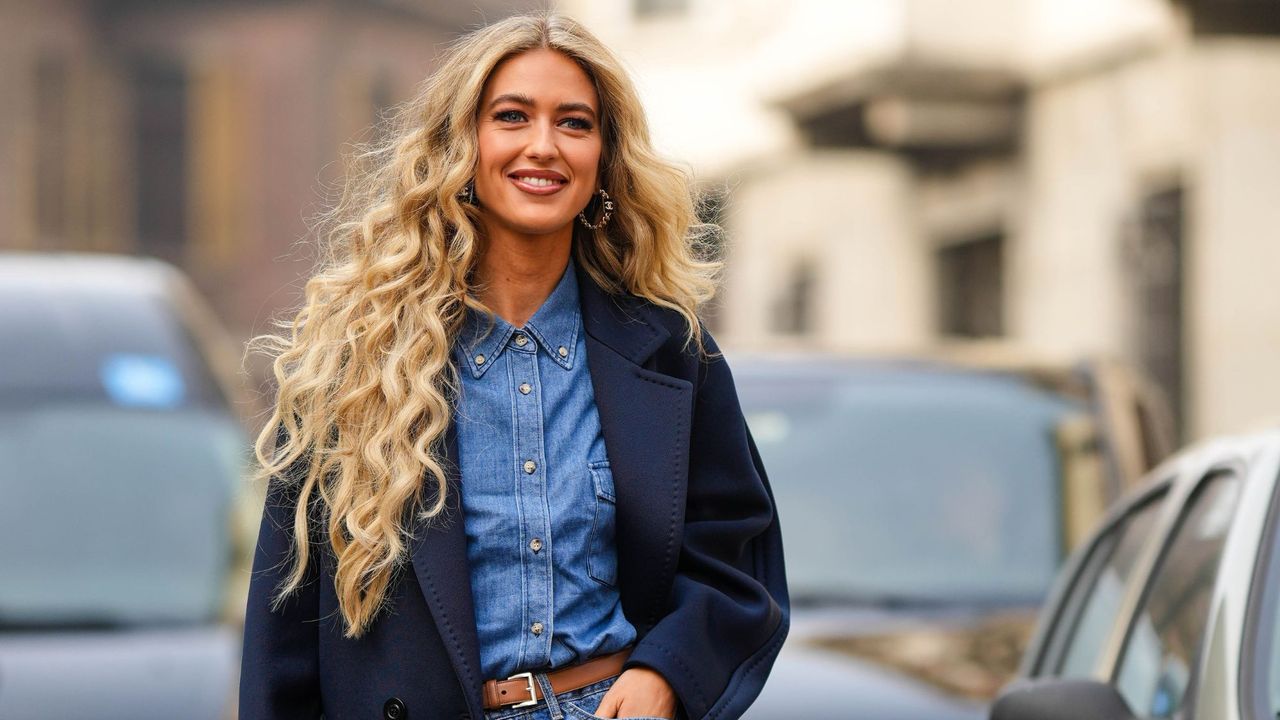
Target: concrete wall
x: 849, y: 215
x: 1093, y: 144
x: 57, y: 31
x: 278, y: 92
x: 1189, y: 113
x: 1234, y: 356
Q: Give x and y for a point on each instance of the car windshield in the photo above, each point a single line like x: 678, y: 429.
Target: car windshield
x: 895, y: 484
x: 118, y: 466
x: 126, y: 348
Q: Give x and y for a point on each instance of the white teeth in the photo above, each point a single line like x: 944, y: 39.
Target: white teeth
x: 538, y: 182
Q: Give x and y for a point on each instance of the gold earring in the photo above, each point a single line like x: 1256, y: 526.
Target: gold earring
x: 606, y: 212
x: 468, y: 193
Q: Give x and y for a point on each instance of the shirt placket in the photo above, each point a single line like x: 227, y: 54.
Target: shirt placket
x: 533, y: 507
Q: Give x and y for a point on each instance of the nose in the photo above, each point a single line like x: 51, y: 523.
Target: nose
x: 542, y: 142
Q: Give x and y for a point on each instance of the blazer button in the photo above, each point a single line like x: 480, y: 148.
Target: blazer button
x: 394, y: 709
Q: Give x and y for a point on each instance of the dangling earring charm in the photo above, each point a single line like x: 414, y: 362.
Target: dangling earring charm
x: 468, y: 193
x: 606, y: 211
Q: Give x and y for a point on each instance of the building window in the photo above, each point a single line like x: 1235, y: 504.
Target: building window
x: 382, y: 100
x: 970, y: 285
x: 1158, y: 271
x: 51, y: 150
x: 652, y: 8
x: 382, y: 94
x: 1234, y: 17
x: 793, y: 308
x: 161, y: 148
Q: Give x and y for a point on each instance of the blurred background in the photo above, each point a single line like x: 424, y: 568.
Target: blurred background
x: 1088, y: 177
x: 1082, y: 198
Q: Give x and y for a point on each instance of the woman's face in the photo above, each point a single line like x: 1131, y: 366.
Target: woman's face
x: 539, y: 143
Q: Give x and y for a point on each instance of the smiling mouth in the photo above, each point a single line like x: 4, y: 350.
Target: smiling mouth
x: 538, y: 185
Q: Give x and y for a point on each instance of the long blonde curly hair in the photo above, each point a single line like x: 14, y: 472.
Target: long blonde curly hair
x: 363, y: 368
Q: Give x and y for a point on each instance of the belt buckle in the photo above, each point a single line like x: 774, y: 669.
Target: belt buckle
x: 533, y: 690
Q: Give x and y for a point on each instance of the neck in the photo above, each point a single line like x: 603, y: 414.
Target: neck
x: 518, y: 272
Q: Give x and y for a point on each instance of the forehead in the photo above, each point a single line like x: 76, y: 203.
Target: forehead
x: 544, y: 75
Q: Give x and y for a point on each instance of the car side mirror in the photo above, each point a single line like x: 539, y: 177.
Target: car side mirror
x: 1060, y: 699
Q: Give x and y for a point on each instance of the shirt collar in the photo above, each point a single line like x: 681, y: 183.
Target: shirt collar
x: 554, y: 327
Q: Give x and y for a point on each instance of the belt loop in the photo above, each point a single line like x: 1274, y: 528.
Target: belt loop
x: 544, y: 689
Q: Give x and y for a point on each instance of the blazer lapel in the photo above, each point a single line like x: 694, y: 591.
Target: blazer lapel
x: 645, y: 418
x: 439, y: 552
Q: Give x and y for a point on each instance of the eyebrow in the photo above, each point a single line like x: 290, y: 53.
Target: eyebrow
x: 521, y: 99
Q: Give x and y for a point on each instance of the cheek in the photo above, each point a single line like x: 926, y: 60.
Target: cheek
x: 492, y: 153
x: 586, y: 163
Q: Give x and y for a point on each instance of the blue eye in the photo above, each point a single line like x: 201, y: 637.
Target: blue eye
x: 578, y: 123
x: 509, y: 116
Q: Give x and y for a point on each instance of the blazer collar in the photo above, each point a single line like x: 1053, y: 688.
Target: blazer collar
x: 618, y: 321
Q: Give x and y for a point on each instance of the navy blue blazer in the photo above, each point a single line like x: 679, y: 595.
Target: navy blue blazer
x: 700, y: 565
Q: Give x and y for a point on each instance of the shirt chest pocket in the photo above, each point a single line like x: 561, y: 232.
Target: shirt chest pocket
x: 602, y: 555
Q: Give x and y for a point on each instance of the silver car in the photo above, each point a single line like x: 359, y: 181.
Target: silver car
x: 120, y: 466
x: 1171, y: 609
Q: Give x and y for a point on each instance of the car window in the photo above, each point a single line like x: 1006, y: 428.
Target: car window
x: 1161, y: 652
x: 1090, y: 611
x: 123, y: 349
x: 911, y: 485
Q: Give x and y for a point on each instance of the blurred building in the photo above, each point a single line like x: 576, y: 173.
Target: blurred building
x: 1094, y: 177
x: 205, y: 133
x: 1097, y: 177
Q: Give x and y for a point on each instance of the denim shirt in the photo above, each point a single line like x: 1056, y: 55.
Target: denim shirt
x: 537, y: 492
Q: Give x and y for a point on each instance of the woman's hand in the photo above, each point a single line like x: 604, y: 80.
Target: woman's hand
x: 638, y: 692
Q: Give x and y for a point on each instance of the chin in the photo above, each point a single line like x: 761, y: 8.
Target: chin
x: 538, y: 224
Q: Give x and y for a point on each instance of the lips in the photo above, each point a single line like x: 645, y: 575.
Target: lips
x: 538, y: 182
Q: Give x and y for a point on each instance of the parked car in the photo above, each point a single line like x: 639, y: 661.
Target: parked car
x: 120, y: 464
x: 926, y: 507
x: 1171, y: 609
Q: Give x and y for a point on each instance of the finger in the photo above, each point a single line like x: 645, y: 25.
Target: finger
x: 608, y: 707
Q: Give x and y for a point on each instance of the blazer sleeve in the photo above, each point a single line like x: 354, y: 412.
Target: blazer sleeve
x: 729, y: 606
x: 279, y: 670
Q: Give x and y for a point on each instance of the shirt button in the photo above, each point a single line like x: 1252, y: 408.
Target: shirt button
x: 536, y: 628
x: 522, y: 340
x: 525, y: 388
x: 535, y: 544
x: 530, y: 466
x: 479, y: 359
x: 564, y: 352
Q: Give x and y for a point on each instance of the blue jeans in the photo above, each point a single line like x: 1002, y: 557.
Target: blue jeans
x: 569, y: 705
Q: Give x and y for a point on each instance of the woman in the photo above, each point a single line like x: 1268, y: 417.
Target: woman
x: 509, y: 476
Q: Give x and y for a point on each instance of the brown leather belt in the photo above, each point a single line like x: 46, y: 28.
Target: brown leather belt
x: 521, y: 689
